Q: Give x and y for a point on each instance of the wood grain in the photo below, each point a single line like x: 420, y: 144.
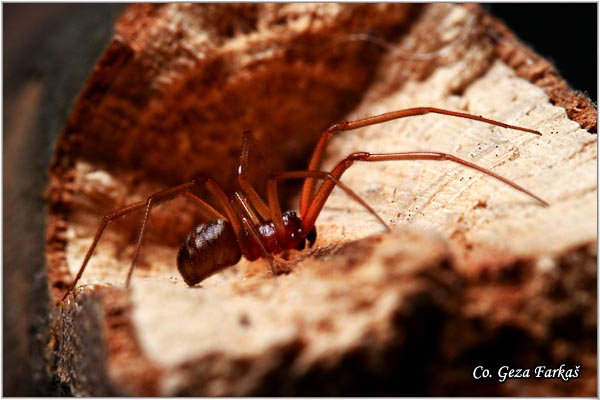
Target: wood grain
x: 473, y: 272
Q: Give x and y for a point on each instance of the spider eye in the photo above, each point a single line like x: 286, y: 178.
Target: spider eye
x: 289, y: 215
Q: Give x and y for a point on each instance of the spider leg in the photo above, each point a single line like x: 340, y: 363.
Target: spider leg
x: 321, y: 175
x: 248, y: 219
x: 167, y: 194
x: 208, y: 211
x: 272, y: 210
x: 163, y: 195
x: 309, y: 187
x: 327, y: 186
x: 103, y: 224
x: 245, y: 208
x: 257, y: 202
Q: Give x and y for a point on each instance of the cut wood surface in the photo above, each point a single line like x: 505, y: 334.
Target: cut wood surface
x: 472, y: 273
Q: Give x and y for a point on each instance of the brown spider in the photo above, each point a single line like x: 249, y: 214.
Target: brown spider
x: 246, y: 225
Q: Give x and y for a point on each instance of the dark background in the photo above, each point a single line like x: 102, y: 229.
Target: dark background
x: 48, y: 52
x: 50, y: 49
x: 566, y: 34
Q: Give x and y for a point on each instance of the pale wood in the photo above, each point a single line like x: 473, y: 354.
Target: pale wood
x: 464, y: 248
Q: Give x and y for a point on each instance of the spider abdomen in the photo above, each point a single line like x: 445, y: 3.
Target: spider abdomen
x: 207, y: 250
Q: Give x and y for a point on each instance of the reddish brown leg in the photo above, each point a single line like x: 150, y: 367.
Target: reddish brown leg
x: 245, y: 209
x: 249, y: 220
x: 103, y: 224
x: 325, y: 190
x: 147, y: 204
x: 167, y: 194
x: 309, y: 190
x: 207, y: 211
x: 261, y: 207
x: 274, y: 198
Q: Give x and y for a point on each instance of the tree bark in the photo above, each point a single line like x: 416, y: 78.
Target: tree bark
x: 473, y: 273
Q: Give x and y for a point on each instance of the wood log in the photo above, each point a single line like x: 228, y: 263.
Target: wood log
x: 473, y: 272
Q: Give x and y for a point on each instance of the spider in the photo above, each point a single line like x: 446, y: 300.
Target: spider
x: 245, y: 224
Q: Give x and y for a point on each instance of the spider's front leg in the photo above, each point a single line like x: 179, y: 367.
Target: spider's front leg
x: 325, y: 189
x: 309, y: 188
